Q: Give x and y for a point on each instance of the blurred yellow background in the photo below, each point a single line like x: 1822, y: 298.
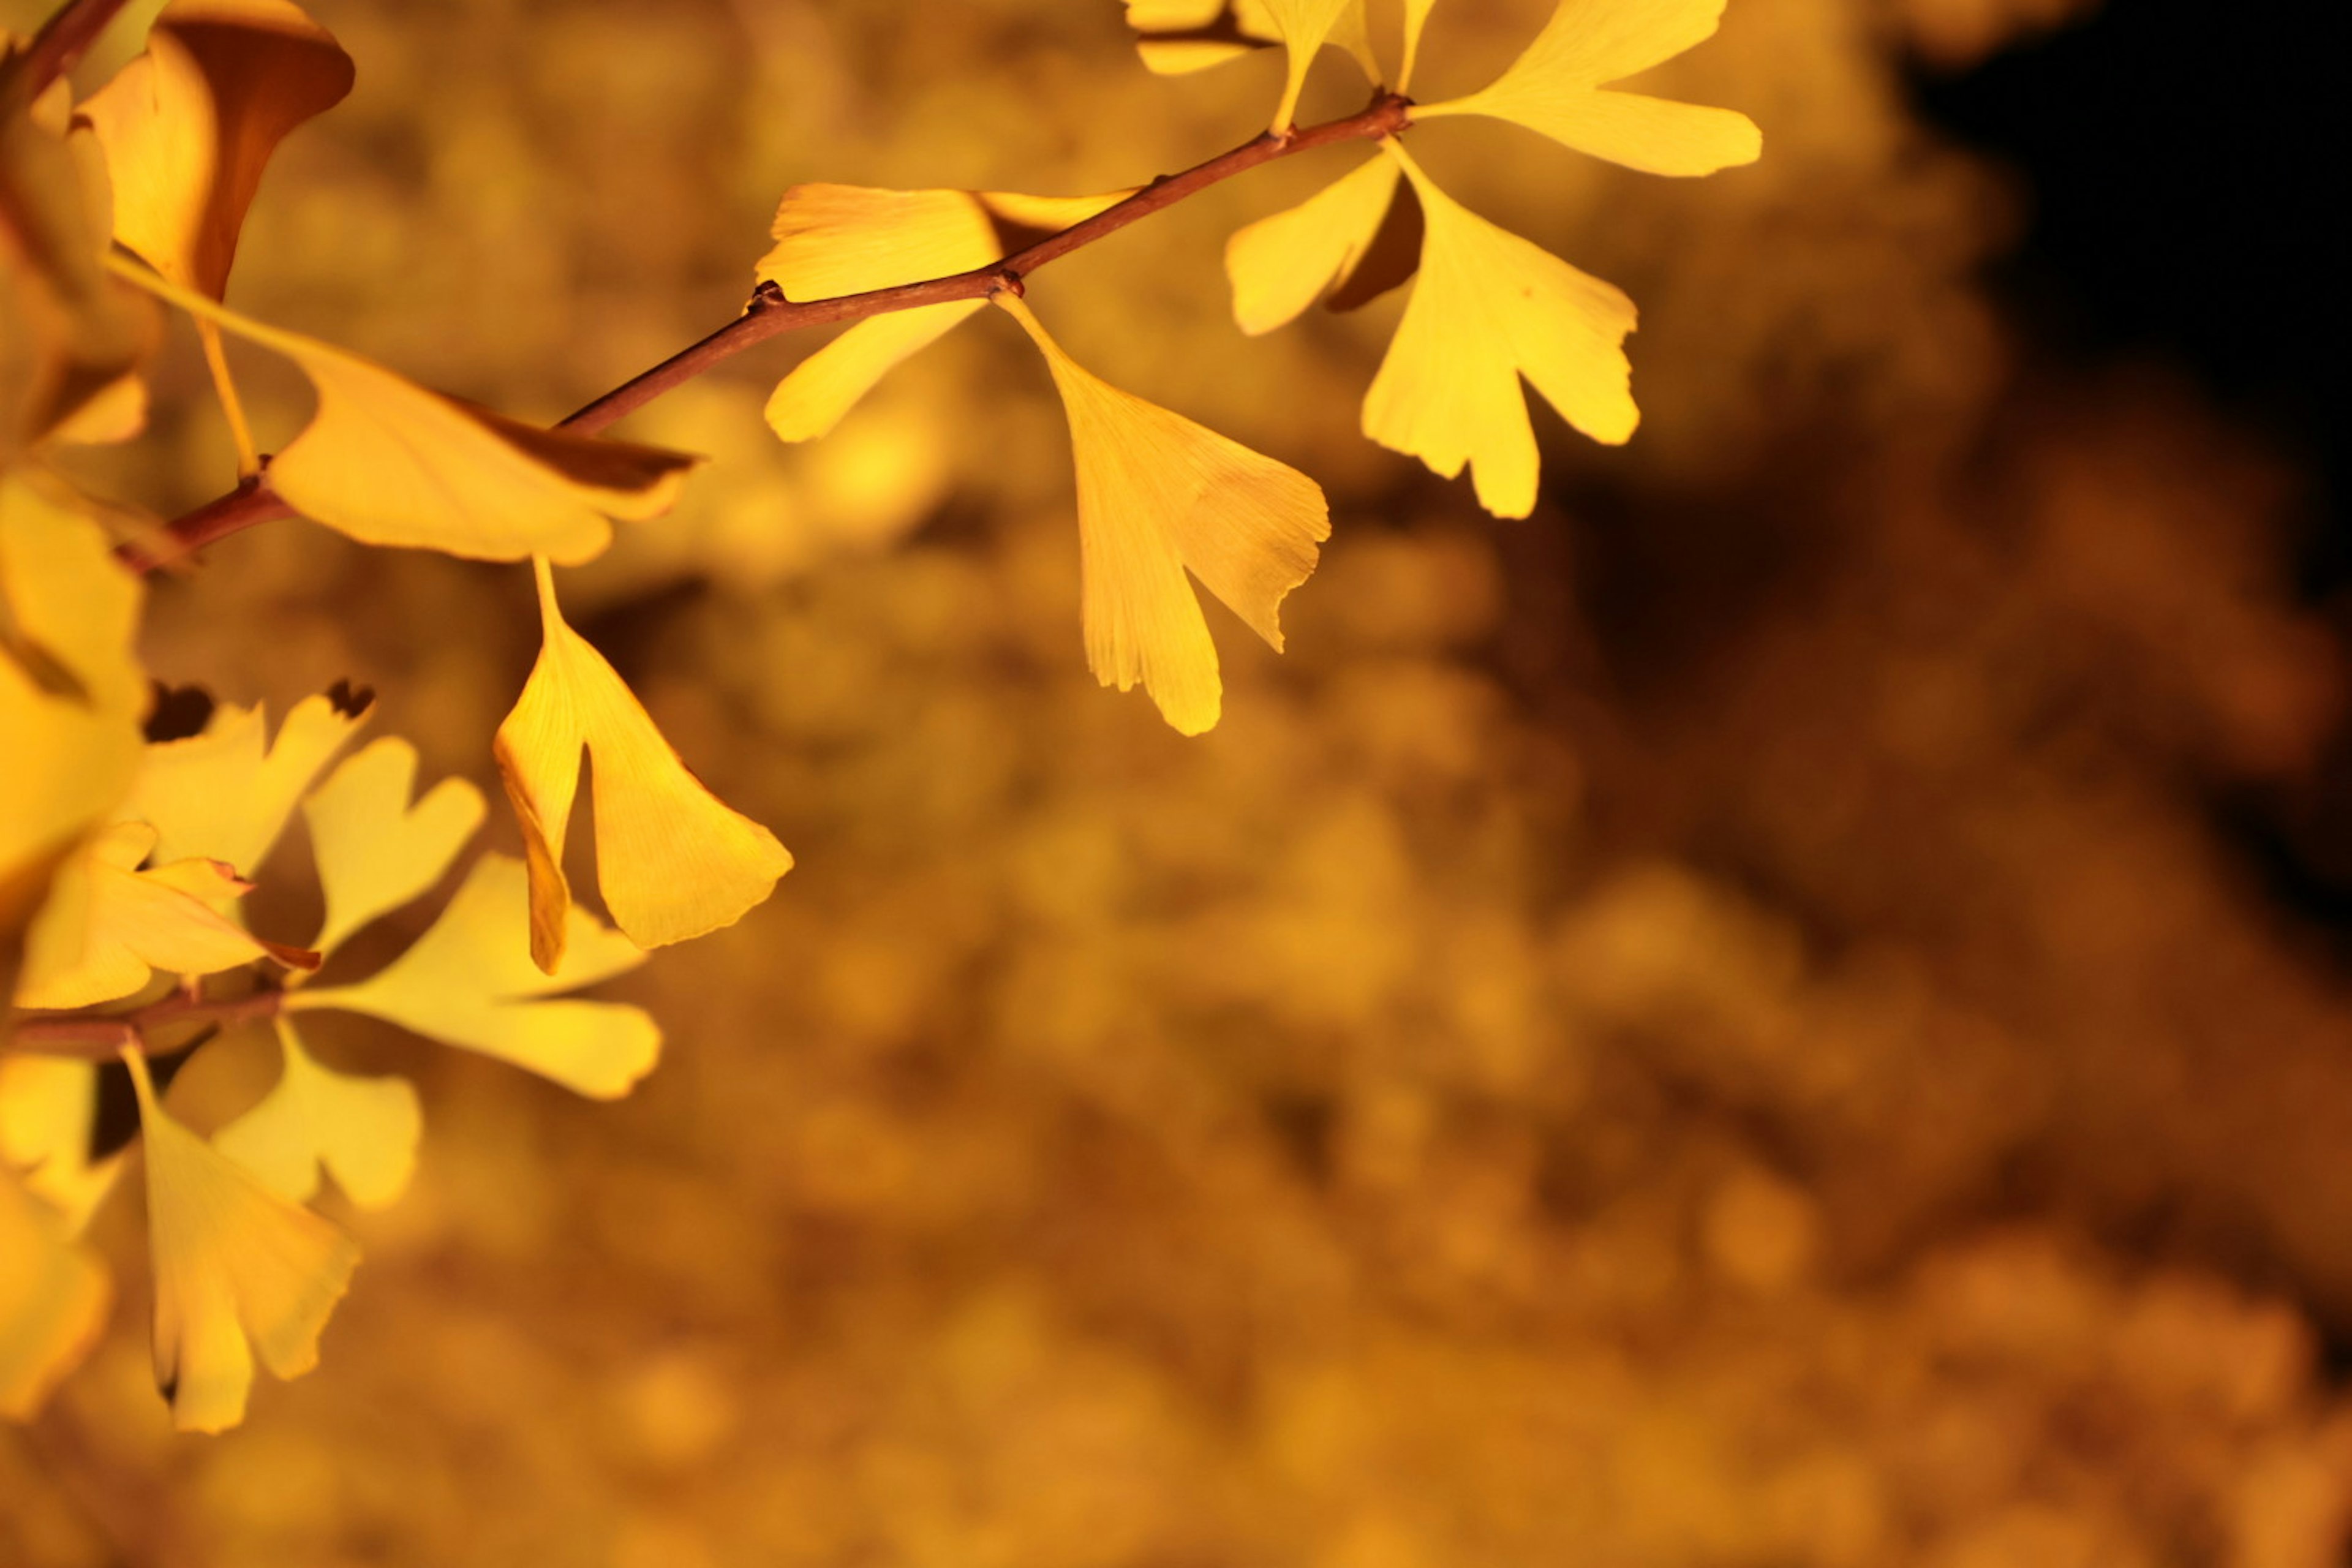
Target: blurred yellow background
x: 1707, y: 1027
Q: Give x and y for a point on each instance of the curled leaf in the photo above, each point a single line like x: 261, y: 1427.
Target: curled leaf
x: 361, y: 1131
x: 388, y: 462
x: 1558, y: 89
x: 466, y: 983
x: 1488, y: 308
x: 1159, y: 494
x: 375, y: 852
x: 832, y: 241
x: 672, y: 861
x: 108, y: 925
x: 52, y: 1296
x: 239, y: 1270
x: 189, y: 126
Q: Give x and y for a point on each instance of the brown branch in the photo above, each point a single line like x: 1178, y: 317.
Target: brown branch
x: 83, y: 1038
x: 70, y: 30
x: 769, y: 314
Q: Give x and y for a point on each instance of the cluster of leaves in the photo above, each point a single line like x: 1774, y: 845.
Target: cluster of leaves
x: 126, y: 854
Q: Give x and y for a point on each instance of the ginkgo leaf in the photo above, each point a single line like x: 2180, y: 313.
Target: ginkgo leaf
x: 1157, y: 495
x: 1280, y: 264
x: 467, y: 983
x: 227, y: 792
x: 1174, y: 38
x: 1557, y: 89
x: 1416, y: 17
x: 70, y: 696
x: 49, y: 1114
x: 388, y: 462
x: 672, y: 861
x: 832, y: 241
x: 1303, y: 27
x: 362, y: 1131
x: 53, y: 1299
x: 1488, y: 308
x: 108, y: 925
x: 189, y: 125
x: 238, y: 1270
x: 375, y: 852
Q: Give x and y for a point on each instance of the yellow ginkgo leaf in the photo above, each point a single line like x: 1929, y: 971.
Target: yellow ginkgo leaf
x: 189, y: 125
x: 467, y: 982
x: 52, y: 1296
x: 673, y: 862
x: 832, y: 241
x: 1488, y: 308
x: 70, y: 696
x: 49, y: 1114
x: 388, y: 462
x: 225, y: 794
x: 1280, y: 264
x: 375, y: 852
x: 1416, y: 17
x: 108, y: 925
x: 239, y: 1270
x: 1557, y: 89
x: 1157, y: 495
x: 1175, y: 37
x: 362, y: 1131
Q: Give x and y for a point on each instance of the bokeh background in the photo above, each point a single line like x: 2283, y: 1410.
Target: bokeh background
x: 1790, y: 1009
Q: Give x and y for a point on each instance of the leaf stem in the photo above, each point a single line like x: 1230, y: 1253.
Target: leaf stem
x: 249, y: 459
x: 769, y: 314
x: 81, y: 1037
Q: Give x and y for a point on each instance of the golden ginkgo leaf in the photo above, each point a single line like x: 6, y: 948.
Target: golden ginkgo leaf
x: 1489, y: 307
x: 189, y: 125
x: 467, y: 983
x: 388, y: 462
x: 227, y: 792
x: 361, y: 1131
x: 70, y: 696
x: 832, y: 241
x: 110, y: 926
x: 1280, y: 264
x: 1158, y: 495
x: 672, y: 861
x: 52, y: 1296
x: 1559, y: 88
x: 238, y: 1270
x: 1174, y: 38
x: 374, y: 850
x: 1417, y: 18
x: 48, y: 1113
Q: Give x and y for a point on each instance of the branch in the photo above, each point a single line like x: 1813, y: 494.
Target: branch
x: 81, y: 1037
x: 74, y: 27
x: 769, y: 314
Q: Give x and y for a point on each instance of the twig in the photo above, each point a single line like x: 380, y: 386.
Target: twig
x: 69, y: 30
x: 769, y: 314
x: 82, y: 1038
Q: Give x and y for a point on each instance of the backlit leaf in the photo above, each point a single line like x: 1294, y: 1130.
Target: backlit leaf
x: 48, y: 1112
x: 468, y: 982
x: 53, y: 1297
x: 226, y: 793
x: 673, y: 862
x: 1281, y: 264
x: 375, y: 852
x: 361, y: 1131
x: 238, y: 1270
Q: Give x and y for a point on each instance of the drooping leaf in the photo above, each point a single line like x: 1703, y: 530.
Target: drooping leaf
x: 388, y: 462
x: 375, y: 852
x: 1558, y: 89
x: 673, y: 862
x: 1157, y: 495
x: 189, y: 126
x: 238, y: 1270
x: 832, y: 241
x: 1489, y: 307
x: 225, y: 794
x: 108, y: 926
x: 361, y: 1131
x: 1280, y: 264
x: 53, y: 1299
x: 467, y: 982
